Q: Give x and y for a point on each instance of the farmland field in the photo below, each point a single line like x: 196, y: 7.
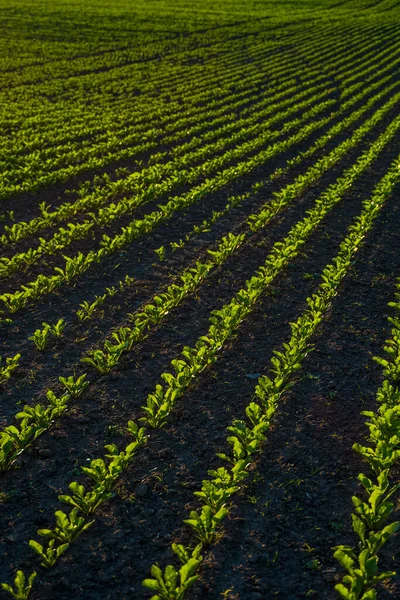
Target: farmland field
x: 199, y: 299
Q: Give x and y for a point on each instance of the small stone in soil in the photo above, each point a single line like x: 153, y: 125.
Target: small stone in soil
x: 164, y: 453
x: 128, y: 572
x: 84, y: 420
x: 141, y: 490
x: 253, y: 559
x: 10, y: 540
x: 44, y: 453
x: 103, y: 577
x: 65, y: 583
x: 118, y: 533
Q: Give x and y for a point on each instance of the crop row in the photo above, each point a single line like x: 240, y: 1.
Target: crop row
x: 66, y: 235
x: 194, y: 360
x: 246, y: 436
x: 308, y: 178
x: 118, y: 144
x: 14, y: 440
x: 146, y: 185
x: 284, y: 89
x: 374, y: 506
x: 77, y: 265
x: 103, y: 147
x: 80, y: 263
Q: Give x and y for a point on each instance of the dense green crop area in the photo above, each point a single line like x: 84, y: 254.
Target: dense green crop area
x: 199, y: 299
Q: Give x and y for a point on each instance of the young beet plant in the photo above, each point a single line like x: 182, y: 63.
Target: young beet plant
x: 34, y: 420
x: 8, y: 368
x: 22, y: 588
x: 88, y: 309
x: 74, y: 386
x: 86, y: 501
x: 205, y: 523
x: 14, y: 302
x: 67, y: 529
x: 173, y: 584
x: 104, y: 362
x: 42, y: 337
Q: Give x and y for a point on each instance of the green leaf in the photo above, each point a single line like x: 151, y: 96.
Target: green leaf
x: 370, y: 595
x: 38, y: 548
x: 358, y: 527
x: 171, y: 577
x: 151, y: 584
x: 344, y: 592
x: 344, y: 559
